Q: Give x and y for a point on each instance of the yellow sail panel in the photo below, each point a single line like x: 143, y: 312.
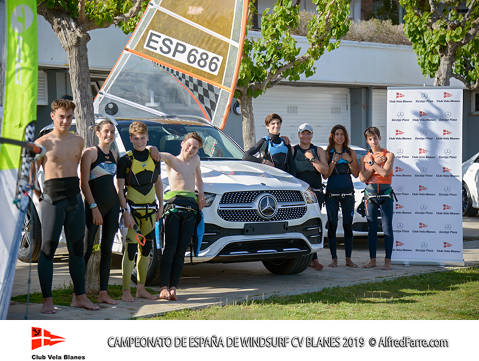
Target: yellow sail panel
x: 212, y: 14
x: 184, y: 47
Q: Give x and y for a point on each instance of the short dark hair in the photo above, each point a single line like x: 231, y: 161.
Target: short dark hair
x: 371, y: 131
x: 195, y: 136
x: 269, y: 118
x: 62, y: 104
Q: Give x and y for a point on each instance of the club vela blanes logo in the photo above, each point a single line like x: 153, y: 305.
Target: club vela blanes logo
x: 399, y: 243
x: 447, y: 95
x: 422, y: 113
x: 42, y: 337
x: 399, y: 132
x: 446, y: 132
x: 447, y: 245
x: 422, y: 151
x: 399, y: 95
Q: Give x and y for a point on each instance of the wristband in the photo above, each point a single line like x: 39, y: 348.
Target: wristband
x: 93, y: 205
x: 371, y: 162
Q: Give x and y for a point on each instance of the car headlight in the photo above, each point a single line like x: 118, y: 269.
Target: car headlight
x: 209, y: 198
x: 310, y: 196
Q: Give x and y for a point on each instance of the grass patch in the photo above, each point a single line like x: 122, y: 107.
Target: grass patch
x: 434, y: 296
x: 63, y: 296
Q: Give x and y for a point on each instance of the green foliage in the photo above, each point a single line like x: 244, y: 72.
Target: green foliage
x: 102, y: 13
x: 276, y: 55
x: 433, y: 33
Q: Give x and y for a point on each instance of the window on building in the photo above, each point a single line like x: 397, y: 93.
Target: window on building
x: 475, y: 102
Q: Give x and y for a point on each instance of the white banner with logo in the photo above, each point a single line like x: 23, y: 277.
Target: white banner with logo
x: 425, y: 134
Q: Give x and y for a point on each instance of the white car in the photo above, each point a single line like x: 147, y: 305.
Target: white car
x: 470, y: 186
x: 253, y: 212
x: 360, y: 224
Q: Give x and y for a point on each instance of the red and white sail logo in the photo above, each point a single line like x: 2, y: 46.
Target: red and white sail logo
x: 398, y: 169
x: 447, y: 245
x: 399, y: 132
x: 446, y: 132
x: 422, y: 188
x: 399, y: 95
x: 446, y: 207
x: 446, y: 170
x: 399, y: 206
x: 422, y: 151
x: 422, y: 225
x: 42, y: 337
x: 399, y: 244
x: 447, y: 95
x: 422, y: 114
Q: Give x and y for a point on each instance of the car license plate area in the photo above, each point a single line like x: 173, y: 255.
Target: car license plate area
x: 265, y: 228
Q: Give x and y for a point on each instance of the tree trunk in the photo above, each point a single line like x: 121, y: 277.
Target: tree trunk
x: 247, y: 117
x: 74, y: 41
x: 447, y: 58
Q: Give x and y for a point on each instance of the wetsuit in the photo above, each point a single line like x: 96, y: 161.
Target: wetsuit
x: 102, y: 171
x: 379, y: 195
x: 340, y: 191
x: 272, y: 148
x: 181, y: 216
x: 306, y: 172
x: 140, y: 172
x: 62, y: 207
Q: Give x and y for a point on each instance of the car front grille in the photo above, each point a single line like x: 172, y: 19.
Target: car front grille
x: 250, y: 215
x: 250, y: 196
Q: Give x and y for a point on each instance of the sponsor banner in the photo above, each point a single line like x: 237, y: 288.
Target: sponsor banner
x: 425, y: 134
x: 235, y: 340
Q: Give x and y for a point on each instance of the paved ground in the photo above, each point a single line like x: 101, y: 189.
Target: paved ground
x: 208, y: 284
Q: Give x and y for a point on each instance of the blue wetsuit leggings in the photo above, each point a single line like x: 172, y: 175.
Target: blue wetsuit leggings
x: 372, y: 207
x: 347, y: 208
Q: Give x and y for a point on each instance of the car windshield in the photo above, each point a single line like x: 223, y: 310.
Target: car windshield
x: 167, y: 137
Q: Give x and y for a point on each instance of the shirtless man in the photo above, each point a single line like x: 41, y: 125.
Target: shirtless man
x: 62, y: 205
x: 181, y: 210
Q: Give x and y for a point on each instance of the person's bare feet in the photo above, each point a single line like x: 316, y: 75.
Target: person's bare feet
x: 126, y: 296
x: 370, y: 264
x: 316, y: 265
x: 82, y: 301
x: 387, y: 264
x: 173, y: 294
x: 334, y: 263
x: 103, y: 297
x: 47, y: 306
x: 141, y: 292
x: 164, y: 293
x: 350, y: 263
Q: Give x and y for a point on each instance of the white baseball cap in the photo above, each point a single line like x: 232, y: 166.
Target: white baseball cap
x: 305, y: 126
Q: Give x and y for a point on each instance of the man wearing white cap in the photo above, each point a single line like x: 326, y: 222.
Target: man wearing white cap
x: 310, y: 163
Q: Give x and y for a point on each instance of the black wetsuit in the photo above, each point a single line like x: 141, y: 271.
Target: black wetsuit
x: 105, y: 196
x: 62, y: 206
x: 274, y: 149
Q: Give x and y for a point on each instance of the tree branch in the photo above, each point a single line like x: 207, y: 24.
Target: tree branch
x: 81, y: 12
x: 471, y: 34
x: 134, y: 10
x: 468, y: 14
x: 462, y: 79
x: 435, y: 14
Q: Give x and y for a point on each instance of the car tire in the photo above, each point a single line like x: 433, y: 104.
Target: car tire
x: 467, y: 209
x: 288, y: 266
x: 31, y: 239
x: 153, y: 274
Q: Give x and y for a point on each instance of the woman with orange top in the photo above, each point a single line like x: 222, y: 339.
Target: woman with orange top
x: 377, y: 171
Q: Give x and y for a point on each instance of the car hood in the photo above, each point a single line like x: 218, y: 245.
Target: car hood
x: 225, y: 176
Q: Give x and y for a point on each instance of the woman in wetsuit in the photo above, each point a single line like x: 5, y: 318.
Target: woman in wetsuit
x: 273, y: 149
x: 102, y: 207
x: 340, y: 191
x: 377, y: 172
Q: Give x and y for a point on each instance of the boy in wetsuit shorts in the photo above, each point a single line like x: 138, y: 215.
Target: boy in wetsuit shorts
x: 181, y: 210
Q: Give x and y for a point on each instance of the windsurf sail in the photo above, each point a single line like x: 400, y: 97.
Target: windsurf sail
x: 182, y: 59
x: 18, y: 100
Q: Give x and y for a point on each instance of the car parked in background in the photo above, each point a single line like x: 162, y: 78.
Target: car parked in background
x: 253, y: 212
x: 470, y: 186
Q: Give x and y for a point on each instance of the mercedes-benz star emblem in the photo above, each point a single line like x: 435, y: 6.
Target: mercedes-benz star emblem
x: 267, y: 206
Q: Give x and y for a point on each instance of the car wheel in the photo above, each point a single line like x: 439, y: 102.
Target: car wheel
x: 467, y: 209
x: 31, y: 239
x: 153, y: 274
x: 288, y: 266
